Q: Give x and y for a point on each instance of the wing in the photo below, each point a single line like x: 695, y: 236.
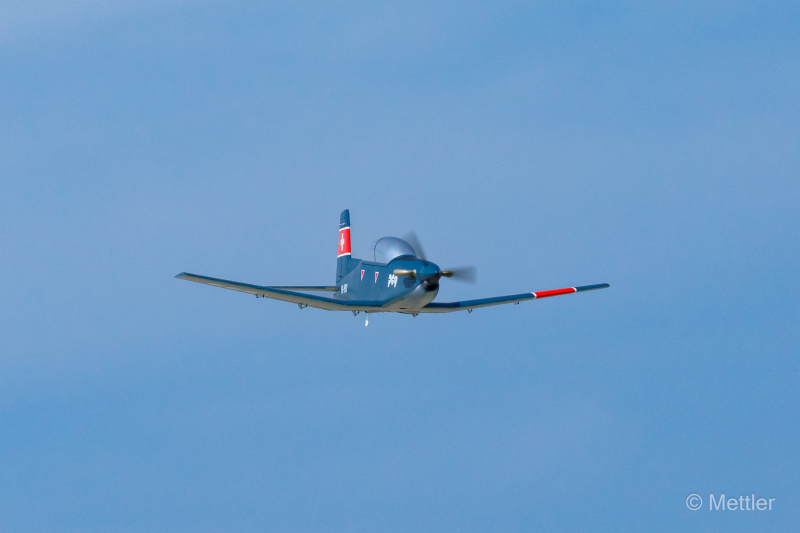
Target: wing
x: 469, y: 305
x: 320, y: 302
x: 313, y: 288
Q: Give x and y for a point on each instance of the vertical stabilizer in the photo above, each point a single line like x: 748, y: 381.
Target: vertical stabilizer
x: 343, y: 257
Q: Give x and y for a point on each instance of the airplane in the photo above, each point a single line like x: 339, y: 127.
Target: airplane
x: 395, y: 277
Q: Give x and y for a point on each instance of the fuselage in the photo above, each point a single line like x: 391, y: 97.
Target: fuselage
x: 376, y: 282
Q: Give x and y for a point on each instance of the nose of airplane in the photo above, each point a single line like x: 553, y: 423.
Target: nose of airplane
x: 429, y: 272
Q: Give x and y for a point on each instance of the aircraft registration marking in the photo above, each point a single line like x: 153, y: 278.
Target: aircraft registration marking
x: 392, y: 281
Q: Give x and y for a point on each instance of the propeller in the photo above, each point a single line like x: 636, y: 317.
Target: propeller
x: 468, y: 274
x: 411, y: 238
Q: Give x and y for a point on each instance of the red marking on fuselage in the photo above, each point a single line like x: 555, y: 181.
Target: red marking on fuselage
x: 362, y: 274
x: 555, y: 292
x: 344, y: 242
x: 376, y: 277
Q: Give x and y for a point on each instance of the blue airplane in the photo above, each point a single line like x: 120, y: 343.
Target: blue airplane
x: 395, y: 278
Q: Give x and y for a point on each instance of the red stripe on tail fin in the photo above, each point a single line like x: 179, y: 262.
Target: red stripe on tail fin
x: 344, y: 242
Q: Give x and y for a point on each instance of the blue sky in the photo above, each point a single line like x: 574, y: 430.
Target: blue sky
x: 652, y: 147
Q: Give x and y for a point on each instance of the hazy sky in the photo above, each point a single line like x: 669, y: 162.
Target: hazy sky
x: 652, y: 147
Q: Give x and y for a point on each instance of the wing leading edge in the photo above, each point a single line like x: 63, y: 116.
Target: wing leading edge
x: 280, y: 293
x: 469, y: 305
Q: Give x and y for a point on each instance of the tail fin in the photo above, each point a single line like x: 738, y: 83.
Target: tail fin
x: 343, y: 257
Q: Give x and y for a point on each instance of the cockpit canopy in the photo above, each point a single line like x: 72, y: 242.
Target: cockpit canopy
x: 388, y: 248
